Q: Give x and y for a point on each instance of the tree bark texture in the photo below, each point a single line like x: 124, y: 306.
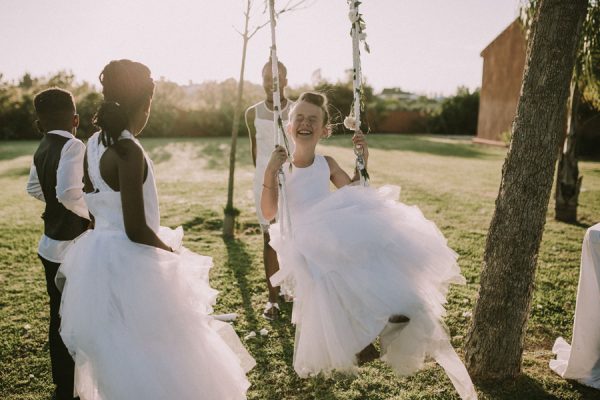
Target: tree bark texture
x: 494, y: 346
x: 568, y: 181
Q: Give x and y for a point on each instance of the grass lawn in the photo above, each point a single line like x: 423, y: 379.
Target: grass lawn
x: 454, y: 182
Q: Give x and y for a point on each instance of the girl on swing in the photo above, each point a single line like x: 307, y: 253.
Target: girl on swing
x: 364, y: 265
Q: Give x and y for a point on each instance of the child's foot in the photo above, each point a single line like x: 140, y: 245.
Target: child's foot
x: 271, y: 311
x: 367, y: 354
x: 398, y: 319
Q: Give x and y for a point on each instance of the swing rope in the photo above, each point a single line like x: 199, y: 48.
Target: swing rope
x: 284, y: 217
x: 353, y: 120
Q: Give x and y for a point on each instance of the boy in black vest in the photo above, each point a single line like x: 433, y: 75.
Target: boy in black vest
x: 56, y: 178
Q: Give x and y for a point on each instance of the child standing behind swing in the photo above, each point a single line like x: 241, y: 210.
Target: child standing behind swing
x: 364, y: 265
x: 259, y: 122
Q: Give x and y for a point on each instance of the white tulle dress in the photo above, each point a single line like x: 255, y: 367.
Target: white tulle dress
x: 358, y: 256
x: 136, y: 318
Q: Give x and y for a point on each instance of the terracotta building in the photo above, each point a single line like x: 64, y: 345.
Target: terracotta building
x: 503, y: 63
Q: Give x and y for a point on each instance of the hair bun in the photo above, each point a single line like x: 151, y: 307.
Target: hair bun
x: 314, y: 98
x: 112, y: 119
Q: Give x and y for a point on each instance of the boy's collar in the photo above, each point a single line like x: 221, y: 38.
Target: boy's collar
x: 62, y: 133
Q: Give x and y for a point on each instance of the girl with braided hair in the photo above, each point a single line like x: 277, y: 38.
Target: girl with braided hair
x: 136, y: 305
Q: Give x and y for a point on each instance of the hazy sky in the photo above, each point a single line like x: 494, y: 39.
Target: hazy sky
x: 428, y: 46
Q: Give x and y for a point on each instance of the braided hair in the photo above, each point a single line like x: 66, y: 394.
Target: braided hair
x: 127, y: 87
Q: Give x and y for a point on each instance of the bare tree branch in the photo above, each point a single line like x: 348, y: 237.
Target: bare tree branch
x: 237, y: 30
x: 289, y: 6
x: 298, y: 5
x: 256, y: 29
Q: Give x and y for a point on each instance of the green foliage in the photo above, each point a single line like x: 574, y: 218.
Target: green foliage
x: 458, y: 114
x: 204, y: 109
x: 588, y: 56
x: 17, y: 115
x: 587, y: 67
x: 341, y: 96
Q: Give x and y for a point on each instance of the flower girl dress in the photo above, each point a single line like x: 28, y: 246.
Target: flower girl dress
x: 136, y: 318
x: 357, y: 256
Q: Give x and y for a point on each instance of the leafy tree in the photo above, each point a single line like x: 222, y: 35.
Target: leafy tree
x: 458, y: 114
x: 340, y: 96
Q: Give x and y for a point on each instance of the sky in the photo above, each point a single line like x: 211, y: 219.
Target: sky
x: 424, y: 46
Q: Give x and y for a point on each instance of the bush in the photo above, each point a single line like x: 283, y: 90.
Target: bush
x: 458, y: 114
x: 194, y: 110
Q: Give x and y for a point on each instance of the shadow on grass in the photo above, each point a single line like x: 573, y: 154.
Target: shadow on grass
x: 239, y: 261
x: 584, y: 391
x: 211, y: 223
x: 525, y: 387
x: 441, y: 146
x: 578, y: 224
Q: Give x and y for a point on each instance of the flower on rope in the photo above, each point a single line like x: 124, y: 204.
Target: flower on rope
x: 350, y: 123
x: 358, y: 23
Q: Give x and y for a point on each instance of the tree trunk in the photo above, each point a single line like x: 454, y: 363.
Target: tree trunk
x: 494, y: 346
x: 230, y: 212
x: 568, y: 181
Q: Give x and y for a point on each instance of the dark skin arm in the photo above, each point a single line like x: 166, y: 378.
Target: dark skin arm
x: 87, y: 186
x: 249, y: 117
x: 126, y: 171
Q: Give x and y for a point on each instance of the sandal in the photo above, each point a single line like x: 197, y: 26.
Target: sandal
x: 271, y: 311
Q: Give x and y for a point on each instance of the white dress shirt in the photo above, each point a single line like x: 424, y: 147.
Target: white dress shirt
x: 69, y: 191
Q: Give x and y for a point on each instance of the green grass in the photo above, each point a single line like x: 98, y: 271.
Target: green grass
x: 454, y: 182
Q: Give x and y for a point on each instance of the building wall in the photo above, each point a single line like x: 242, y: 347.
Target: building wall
x: 503, y: 63
x: 402, y: 122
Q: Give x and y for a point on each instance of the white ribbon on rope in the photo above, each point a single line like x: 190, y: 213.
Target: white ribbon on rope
x: 353, y: 121
x: 284, y: 214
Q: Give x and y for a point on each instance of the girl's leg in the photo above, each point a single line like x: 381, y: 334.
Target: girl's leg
x: 271, y: 267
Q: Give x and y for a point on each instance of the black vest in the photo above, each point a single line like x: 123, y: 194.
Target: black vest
x: 59, y: 223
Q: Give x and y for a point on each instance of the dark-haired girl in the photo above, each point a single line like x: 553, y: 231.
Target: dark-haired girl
x: 136, y: 304
x: 364, y: 265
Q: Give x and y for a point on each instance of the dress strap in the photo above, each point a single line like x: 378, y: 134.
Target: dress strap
x: 262, y: 112
x: 95, y: 149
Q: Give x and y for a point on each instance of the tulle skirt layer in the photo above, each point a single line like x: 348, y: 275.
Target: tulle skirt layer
x: 356, y: 258
x: 136, y: 320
